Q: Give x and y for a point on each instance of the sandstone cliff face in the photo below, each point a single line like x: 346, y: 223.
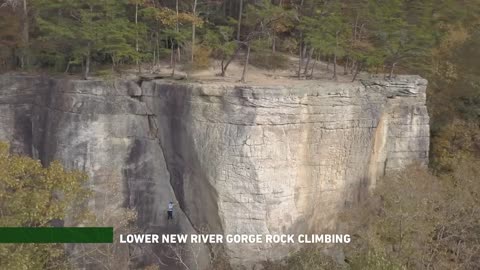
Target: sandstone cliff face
x: 237, y: 158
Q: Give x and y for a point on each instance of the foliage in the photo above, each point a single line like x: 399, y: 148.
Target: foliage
x: 307, y: 258
x: 202, y: 58
x: 220, y: 40
x: 265, y: 18
x: 86, y: 28
x: 34, y: 196
x: 402, y: 30
x: 269, y: 60
x: 327, y: 31
x: 416, y: 220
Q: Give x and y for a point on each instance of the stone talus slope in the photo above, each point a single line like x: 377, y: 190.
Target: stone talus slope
x: 237, y: 158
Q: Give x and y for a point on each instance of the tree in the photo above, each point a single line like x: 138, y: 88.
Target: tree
x: 194, y: 9
x: 34, y: 196
x: 400, y: 33
x: 261, y: 20
x: 10, y: 38
x: 169, y: 22
x: 240, y: 14
x: 327, y: 32
x: 138, y: 28
x: 417, y: 220
x: 89, y: 28
x: 219, y: 38
x: 25, y: 28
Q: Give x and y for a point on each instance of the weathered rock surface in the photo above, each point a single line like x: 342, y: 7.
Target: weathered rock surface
x: 237, y: 158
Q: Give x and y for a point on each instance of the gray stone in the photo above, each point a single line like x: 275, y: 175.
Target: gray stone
x: 237, y: 158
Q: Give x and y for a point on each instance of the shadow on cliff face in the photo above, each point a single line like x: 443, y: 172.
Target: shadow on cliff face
x: 196, y: 197
x: 20, y: 94
x: 135, y: 171
x: 23, y: 130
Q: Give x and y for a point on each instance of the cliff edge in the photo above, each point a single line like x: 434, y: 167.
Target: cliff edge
x: 236, y: 158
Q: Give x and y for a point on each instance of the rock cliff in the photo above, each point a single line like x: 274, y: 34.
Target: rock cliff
x: 236, y: 158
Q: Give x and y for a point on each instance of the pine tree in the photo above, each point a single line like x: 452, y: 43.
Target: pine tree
x: 399, y: 36
x: 327, y: 32
x: 90, y: 29
x: 262, y: 20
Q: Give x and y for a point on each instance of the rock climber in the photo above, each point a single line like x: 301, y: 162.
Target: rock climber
x: 170, y: 210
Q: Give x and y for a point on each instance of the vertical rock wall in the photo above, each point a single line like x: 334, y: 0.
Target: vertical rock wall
x: 260, y: 160
x: 237, y: 158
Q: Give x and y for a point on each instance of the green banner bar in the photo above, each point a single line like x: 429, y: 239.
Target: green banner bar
x: 56, y: 235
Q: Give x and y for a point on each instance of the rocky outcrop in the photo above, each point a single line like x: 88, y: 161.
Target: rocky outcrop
x: 237, y: 158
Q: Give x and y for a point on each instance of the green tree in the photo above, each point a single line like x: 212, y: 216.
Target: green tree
x: 89, y: 29
x: 219, y: 38
x: 262, y: 19
x: 327, y: 32
x: 34, y: 196
x: 402, y: 30
x: 25, y: 29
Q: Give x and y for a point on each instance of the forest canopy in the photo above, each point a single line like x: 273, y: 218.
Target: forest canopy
x: 362, y: 35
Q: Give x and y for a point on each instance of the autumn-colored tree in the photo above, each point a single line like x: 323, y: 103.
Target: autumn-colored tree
x: 35, y: 196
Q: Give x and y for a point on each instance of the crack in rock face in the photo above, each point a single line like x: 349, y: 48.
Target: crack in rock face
x: 236, y: 159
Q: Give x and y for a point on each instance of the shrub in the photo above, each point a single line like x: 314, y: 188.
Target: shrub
x: 201, y: 58
x: 268, y: 60
x: 307, y: 258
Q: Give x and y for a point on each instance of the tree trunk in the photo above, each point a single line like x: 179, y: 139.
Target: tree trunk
x: 359, y: 67
x: 335, y: 57
x: 345, y: 66
x: 87, y: 63
x: 176, y: 17
x: 154, y: 58
x: 313, y: 67
x: 224, y: 69
x: 68, y: 67
x: 274, y: 45
x: 244, y: 73
x: 193, y: 30
x: 25, y: 37
x: 392, y: 69
x: 310, y: 53
x: 177, y: 29
x: 136, y: 38
x: 304, y: 52
x: 172, y: 53
x: 300, y: 56
x: 157, y: 35
x: 174, y: 63
x: 239, y: 26
x: 335, y: 66
x: 113, y: 63
x: 353, y: 65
